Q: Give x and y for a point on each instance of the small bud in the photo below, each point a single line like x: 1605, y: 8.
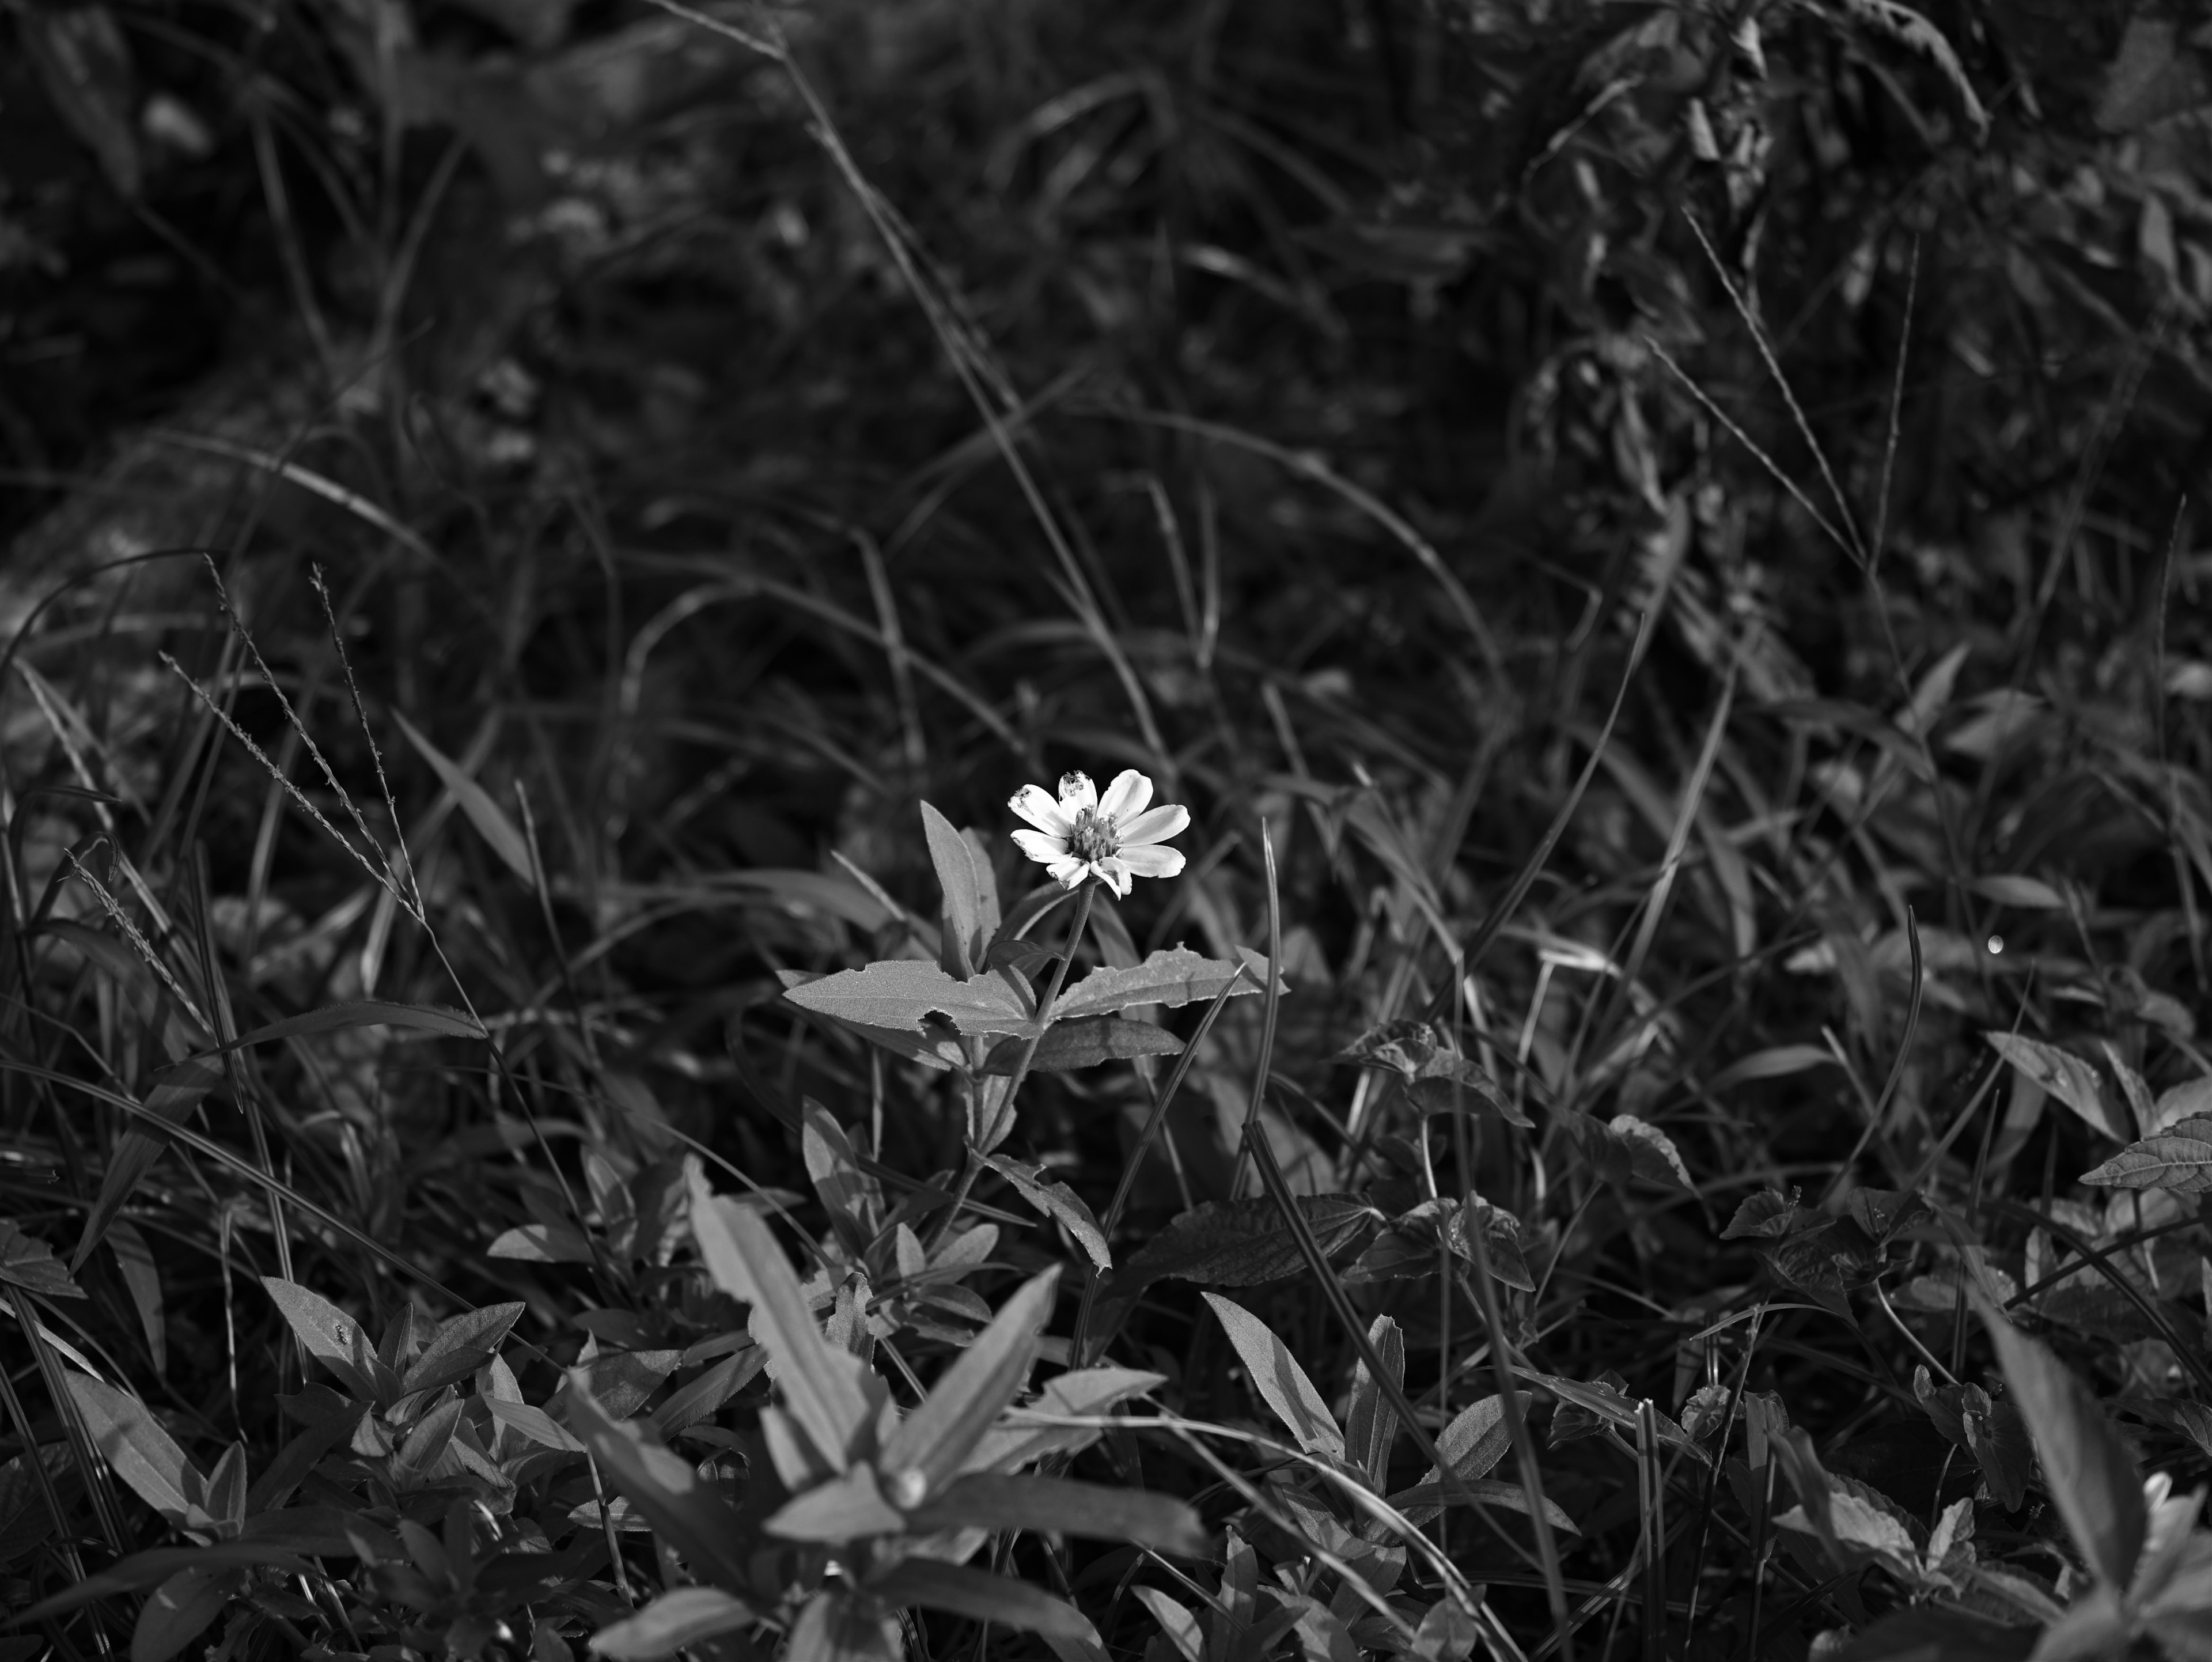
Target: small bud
x: 907, y: 1489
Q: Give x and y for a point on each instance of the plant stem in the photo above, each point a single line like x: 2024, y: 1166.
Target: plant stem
x: 1005, y: 1113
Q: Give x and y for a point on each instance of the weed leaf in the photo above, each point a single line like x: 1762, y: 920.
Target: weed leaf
x: 1055, y: 1504
x: 937, y: 1436
x: 971, y: 895
x: 2066, y: 1076
x: 1242, y: 1243
x: 180, y: 1611
x: 681, y: 1617
x: 2182, y: 1164
x: 486, y: 815
x: 901, y: 995
x: 1281, y: 1383
x: 1057, y: 1201
x: 1083, y: 1042
x: 28, y: 1262
x: 982, y: 1597
x: 2087, y: 1469
x: 1174, y: 977
x: 137, y: 1447
x: 172, y: 1100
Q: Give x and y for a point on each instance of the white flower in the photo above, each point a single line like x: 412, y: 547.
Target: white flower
x: 1114, y: 840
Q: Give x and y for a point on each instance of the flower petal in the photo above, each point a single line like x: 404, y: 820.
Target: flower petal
x: 1040, y: 847
x: 1169, y: 819
x: 1077, y: 793
x: 1114, y: 874
x: 1067, y: 871
x: 1035, y: 804
x: 1125, y: 797
x: 1150, y: 861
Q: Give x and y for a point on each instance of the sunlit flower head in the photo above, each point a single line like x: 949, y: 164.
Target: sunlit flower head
x: 1112, y: 838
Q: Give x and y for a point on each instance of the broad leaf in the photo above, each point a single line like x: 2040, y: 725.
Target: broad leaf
x: 1281, y: 1383
x: 681, y: 1617
x: 28, y: 1262
x: 986, y: 1501
x: 1174, y: 977
x: 1627, y: 1146
x: 463, y: 1345
x: 2087, y: 1469
x: 903, y: 994
x: 971, y: 894
x: 2179, y: 1163
x: 1175, y: 1620
x: 931, y: 1442
x: 180, y: 1611
x: 1764, y: 1215
x: 1056, y: 1200
x: 1242, y: 1243
x: 849, y: 1506
x: 821, y: 1387
x: 137, y: 1447
x: 2065, y: 1076
x: 1084, y: 1393
x: 1084, y: 1042
x: 982, y: 1597
x: 541, y: 1243
x: 684, y: 1509
x: 329, y: 1335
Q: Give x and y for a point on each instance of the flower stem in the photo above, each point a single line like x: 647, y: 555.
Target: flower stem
x: 1005, y: 1115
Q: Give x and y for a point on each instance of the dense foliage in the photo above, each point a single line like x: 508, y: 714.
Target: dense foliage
x: 1658, y: 1105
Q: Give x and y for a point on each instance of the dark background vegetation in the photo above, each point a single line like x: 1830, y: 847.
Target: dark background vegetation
x: 1379, y: 374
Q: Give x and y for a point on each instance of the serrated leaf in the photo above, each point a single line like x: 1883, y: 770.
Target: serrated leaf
x: 2087, y: 1469
x: 2188, y: 1100
x: 902, y: 994
x: 1281, y: 1383
x: 2065, y: 1076
x: 1174, y: 977
x: 1083, y: 1042
x: 28, y: 1262
x: 1056, y: 1200
x: 2181, y: 1164
x: 1242, y: 1243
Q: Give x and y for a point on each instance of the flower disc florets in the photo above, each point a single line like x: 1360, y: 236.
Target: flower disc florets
x: 1114, y: 839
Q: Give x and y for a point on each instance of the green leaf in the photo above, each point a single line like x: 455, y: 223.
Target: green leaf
x: 326, y: 1333
x: 1084, y: 1393
x: 1242, y: 1243
x: 172, y: 1100
x: 1627, y: 1146
x: 1174, y: 977
x: 687, y: 1514
x: 134, y: 1259
x: 142, y: 1570
x: 2087, y: 1469
x: 841, y: 1626
x: 933, y: 1441
x: 541, y: 1243
x: 1478, y: 1438
x: 971, y: 894
x: 854, y: 1200
x: 679, y: 1618
x: 822, y: 1386
x: 1370, y: 1423
x: 28, y: 1262
x: 2181, y: 1164
x: 1084, y: 1042
x: 363, y: 1013
x: 492, y: 824
x: 1176, y: 1622
x: 180, y: 1611
x: 1764, y: 1216
x: 137, y: 1447
x: 1056, y: 1200
x: 990, y: 1501
x: 2024, y: 893
x: 982, y: 1597
x: 850, y: 1507
x: 901, y: 995
x: 463, y: 1345
x: 1782, y: 1061
x: 2065, y: 1076
x: 1281, y: 1383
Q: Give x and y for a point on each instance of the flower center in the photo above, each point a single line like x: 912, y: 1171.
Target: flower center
x: 1093, y: 838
